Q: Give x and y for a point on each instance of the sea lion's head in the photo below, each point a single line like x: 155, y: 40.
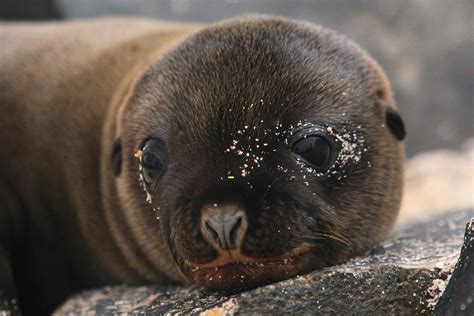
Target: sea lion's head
x: 257, y: 149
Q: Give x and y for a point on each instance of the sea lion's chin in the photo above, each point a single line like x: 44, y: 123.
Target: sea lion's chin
x: 235, y: 271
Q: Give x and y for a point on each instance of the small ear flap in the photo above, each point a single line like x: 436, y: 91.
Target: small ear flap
x: 395, y: 123
x: 116, y: 157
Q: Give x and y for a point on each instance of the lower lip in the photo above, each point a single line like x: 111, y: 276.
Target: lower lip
x: 235, y: 276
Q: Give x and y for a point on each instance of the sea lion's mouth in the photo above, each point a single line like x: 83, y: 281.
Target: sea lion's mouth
x: 234, y: 271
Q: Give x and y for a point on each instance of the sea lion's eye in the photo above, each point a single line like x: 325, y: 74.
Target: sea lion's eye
x: 314, y: 149
x: 152, y: 159
x: 152, y: 167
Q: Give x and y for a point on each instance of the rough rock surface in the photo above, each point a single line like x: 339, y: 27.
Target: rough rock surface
x: 392, y: 278
x: 458, y: 296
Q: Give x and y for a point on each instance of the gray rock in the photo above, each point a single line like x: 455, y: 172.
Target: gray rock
x: 458, y: 297
x: 399, y: 276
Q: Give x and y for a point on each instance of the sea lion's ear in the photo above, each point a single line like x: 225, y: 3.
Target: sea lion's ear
x: 394, y: 122
x: 116, y: 157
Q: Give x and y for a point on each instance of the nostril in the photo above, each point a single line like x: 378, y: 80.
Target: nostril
x: 213, y: 233
x: 233, y: 232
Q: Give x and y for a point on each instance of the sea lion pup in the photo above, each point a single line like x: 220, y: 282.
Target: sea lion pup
x: 230, y: 156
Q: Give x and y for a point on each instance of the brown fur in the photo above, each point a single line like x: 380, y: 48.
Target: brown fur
x: 70, y: 90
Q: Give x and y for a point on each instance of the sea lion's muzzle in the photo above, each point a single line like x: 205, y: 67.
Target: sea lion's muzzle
x: 224, y: 227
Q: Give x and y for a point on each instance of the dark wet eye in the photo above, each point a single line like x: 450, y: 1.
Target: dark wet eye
x: 315, y: 150
x: 151, y: 161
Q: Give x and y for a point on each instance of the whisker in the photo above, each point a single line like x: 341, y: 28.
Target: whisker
x: 332, y: 235
x: 336, y: 238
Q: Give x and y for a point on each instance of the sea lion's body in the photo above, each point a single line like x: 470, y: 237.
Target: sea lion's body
x: 69, y: 90
x: 57, y: 84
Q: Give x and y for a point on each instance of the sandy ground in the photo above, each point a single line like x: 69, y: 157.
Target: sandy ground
x: 438, y: 181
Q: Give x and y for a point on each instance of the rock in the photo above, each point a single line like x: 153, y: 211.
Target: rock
x: 458, y: 296
x: 28, y: 10
x: 8, y: 307
x: 393, y: 278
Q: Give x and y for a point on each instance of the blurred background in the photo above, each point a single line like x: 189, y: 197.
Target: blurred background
x: 425, y: 46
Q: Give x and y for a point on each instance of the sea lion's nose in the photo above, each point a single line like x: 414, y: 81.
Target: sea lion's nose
x: 223, y: 226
